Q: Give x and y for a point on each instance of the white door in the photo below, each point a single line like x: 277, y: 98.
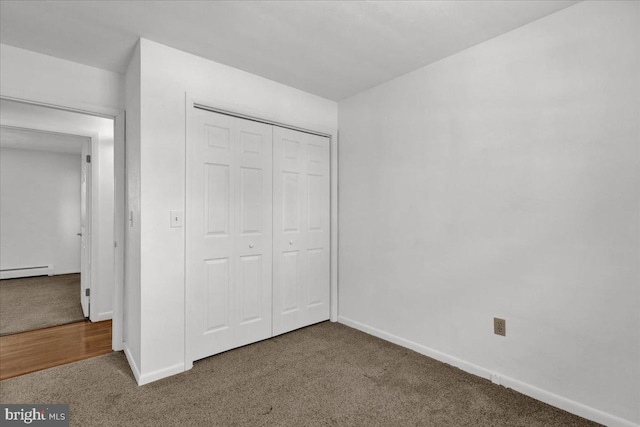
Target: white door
x: 85, y: 228
x: 228, y: 232
x: 301, y: 229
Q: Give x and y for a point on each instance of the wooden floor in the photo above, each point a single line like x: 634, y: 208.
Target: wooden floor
x: 45, y: 348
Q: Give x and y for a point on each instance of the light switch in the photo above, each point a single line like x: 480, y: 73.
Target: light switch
x: 176, y: 219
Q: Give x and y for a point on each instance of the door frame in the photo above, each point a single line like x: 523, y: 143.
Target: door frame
x: 308, y: 126
x: 86, y: 199
x: 117, y: 115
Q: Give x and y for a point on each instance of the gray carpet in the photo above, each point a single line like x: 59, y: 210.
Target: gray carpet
x: 324, y: 375
x: 39, y: 302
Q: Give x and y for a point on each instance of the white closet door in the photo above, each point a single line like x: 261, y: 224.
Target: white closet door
x: 228, y: 232
x: 301, y: 269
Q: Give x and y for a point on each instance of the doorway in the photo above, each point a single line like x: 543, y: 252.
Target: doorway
x: 91, y: 263
x: 39, y: 216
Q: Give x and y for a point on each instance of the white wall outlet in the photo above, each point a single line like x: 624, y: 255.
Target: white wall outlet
x: 176, y: 219
x: 499, y: 326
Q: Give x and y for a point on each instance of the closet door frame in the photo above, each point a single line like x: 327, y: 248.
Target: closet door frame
x: 250, y: 113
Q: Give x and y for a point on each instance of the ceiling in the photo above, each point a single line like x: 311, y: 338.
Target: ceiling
x: 333, y: 49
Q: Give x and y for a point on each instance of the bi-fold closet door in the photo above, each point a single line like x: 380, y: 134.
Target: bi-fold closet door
x: 257, y: 231
x: 301, y: 218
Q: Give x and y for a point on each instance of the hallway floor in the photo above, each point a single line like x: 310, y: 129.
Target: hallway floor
x: 45, y: 348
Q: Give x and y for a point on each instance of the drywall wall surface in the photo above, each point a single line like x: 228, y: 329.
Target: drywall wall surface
x: 131, y: 292
x: 36, y: 77
x: 504, y: 181
x: 40, y: 210
x: 167, y: 76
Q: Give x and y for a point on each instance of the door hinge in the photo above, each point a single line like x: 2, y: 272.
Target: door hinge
x: 88, y: 158
x: 115, y: 244
x: 87, y: 292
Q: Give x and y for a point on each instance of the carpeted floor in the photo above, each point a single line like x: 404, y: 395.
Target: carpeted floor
x: 324, y: 375
x: 39, y: 302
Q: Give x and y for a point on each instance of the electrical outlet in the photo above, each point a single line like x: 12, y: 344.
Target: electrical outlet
x: 499, y: 326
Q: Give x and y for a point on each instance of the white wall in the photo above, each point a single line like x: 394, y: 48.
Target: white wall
x: 166, y: 75
x: 504, y: 181
x: 37, y: 77
x: 45, y: 79
x: 39, y: 210
x: 132, y: 296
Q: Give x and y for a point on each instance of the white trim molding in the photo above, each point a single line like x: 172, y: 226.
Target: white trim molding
x: 498, y: 379
x: 160, y: 373
x: 15, y: 273
x: 150, y: 377
x: 101, y: 317
x: 132, y: 363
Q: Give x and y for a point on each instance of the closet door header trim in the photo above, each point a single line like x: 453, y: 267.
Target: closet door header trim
x: 257, y: 119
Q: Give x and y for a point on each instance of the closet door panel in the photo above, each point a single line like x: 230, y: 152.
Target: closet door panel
x: 210, y: 271
x: 288, y: 226
x: 318, y: 229
x: 301, y: 230
x: 254, y: 231
x: 228, y: 232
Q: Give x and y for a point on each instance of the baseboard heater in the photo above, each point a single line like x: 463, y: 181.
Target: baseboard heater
x: 14, y: 273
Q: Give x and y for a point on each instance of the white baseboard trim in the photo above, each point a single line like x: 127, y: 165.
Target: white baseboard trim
x: 161, y: 373
x: 60, y: 273
x: 16, y: 273
x: 100, y: 317
x: 434, y: 354
x: 117, y: 346
x: 150, y: 377
x: 565, y: 404
x: 524, y: 388
x: 132, y: 363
